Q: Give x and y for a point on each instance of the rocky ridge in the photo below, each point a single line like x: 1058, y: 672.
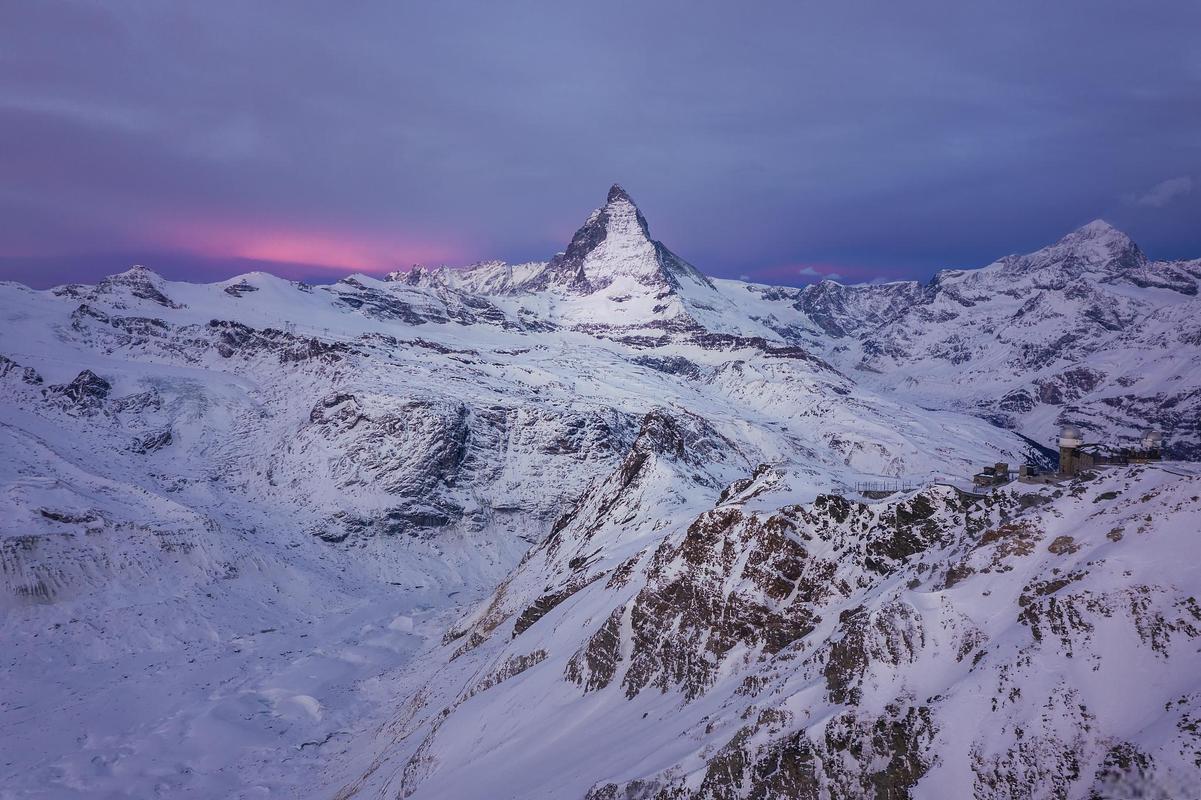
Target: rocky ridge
x: 829, y: 648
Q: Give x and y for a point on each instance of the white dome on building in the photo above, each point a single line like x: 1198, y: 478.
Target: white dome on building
x: 1070, y: 436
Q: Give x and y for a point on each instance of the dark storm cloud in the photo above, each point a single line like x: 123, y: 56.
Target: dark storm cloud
x: 782, y: 140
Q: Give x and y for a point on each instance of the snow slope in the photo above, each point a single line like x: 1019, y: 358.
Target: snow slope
x: 1039, y: 642
x: 262, y: 538
x: 226, y: 510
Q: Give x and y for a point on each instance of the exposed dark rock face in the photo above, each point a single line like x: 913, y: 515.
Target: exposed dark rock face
x: 891, y: 635
x: 1178, y: 413
x: 382, y: 305
x: 138, y: 283
x: 542, y: 606
x: 138, y: 404
x: 436, y: 459
x: 126, y: 331
x: 414, y: 450
x: 155, y: 440
x: 1069, y: 385
x: 683, y: 629
x: 510, y: 668
x: 234, y: 338
x: 672, y: 365
x: 828, y: 644
x: 10, y: 369
x: 859, y: 756
x: 240, y: 289
x: 85, y: 395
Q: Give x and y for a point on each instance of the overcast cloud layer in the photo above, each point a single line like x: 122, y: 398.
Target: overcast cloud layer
x: 778, y: 141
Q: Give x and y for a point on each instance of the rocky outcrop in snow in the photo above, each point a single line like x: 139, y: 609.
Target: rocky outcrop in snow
x: 839, y: 649
x: 645, y: 475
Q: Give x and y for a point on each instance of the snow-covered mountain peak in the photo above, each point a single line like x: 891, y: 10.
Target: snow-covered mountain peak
x: 614, y: 242
x: 1098, y: 242
x: 252, y: 506
x: 483, y: 278
x: 137, y: 274
x: 135, y: 286
x: 611, y: 276
x: 840, y: 309
x: 623, y: 219
x: 139, y: 271
x: 614, y: 275
x: 1097, y: 247
x: 1097, y: 229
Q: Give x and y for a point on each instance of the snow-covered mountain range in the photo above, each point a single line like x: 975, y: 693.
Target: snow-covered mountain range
x: 589, y: 528
x: 1087, y: 331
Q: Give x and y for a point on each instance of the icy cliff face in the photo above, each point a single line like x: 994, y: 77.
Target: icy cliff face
x: 235, y: 512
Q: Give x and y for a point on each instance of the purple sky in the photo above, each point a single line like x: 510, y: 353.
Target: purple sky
x: 779, y: 141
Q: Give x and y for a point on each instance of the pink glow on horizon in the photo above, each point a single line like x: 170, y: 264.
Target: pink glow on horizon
x: 317, y: 249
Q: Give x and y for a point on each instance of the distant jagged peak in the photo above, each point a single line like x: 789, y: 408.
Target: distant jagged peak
x: 418, y: 275
x: 497, y: 277
x: 841, y: 309
x: 139, y: 281
x: 1111, y: 252
x: 403, y: 275
x: 492, y: 263
x: 137, y: 275
x: 139, y: 272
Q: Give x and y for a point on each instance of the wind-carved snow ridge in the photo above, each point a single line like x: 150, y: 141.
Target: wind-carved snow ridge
x: 587, y: 527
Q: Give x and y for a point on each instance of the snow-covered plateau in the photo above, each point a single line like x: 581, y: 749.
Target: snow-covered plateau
x: 592, y: 528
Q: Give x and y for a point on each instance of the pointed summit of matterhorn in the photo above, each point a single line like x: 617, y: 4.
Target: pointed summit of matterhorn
x: 613, y: 277
x: 614, y: 246
x: 618, y: 194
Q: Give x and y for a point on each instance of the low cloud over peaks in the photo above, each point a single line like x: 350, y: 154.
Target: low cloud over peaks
x: 1166, y: 192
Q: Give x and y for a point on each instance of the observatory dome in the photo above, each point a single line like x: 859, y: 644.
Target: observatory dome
x: 1070, y: 436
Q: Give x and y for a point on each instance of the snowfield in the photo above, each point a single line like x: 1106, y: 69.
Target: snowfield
x: 589, y: 528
